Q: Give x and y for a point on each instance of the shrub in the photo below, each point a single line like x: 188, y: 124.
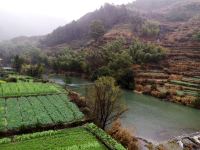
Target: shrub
x: 11, y: 79
x: 145, y: 52
x: 123, y: 136
x: 103, y: 71
x: 127, y: 80
x: 150, y: 28
x: 97, y: 29
x: 197, y: 36
x: 197, y: 101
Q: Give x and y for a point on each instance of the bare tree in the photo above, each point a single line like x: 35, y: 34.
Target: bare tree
x: 105, y: 101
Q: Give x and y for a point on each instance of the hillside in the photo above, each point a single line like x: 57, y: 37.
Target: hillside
x: 79, y: 30
x: 172, y: 24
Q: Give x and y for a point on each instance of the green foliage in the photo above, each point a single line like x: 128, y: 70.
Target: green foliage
x: 97, y: 29
x: 197, y: 36
x: 150, y: 29
x: 113, y: 59
x: 102, y: 71
x: 197, y: 100
x: 126, y: 80
x: 77, y: 138
x: 32, y: 70
x: 145, y: 52
x: 110, y: 60
x: 28, y: 89
x: 67, y: 80
x: 106, y: 139
x: 5, y: 140
x: 69, y: 60
x: 24, y: 112
x: 11, y: 79
x: 18, y: 62
x: 1, y: 81
x: 21, y: 78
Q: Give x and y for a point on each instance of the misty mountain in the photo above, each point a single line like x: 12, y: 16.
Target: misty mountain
x: 171, y: 10
x: 134, y: 13
x: 14, y: 25
x: 109, y: 15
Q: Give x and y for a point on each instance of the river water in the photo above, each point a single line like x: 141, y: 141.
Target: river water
x: 149, y: 117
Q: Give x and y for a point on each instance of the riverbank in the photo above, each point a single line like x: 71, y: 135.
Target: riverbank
x: 170, y: 87
x: 149, y: 117
x: 160, y: 86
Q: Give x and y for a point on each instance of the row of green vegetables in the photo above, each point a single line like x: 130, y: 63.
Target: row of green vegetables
x: 26, y: 89
x: 182, y: 83
x: 88, y: 141
x: 106, y: 139
x: 40, y: 110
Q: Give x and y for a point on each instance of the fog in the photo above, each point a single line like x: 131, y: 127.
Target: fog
x: 39, y: 17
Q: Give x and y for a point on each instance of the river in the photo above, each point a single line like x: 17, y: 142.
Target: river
x: 149, y: 117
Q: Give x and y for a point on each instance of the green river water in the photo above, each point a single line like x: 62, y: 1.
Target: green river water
x: 149, y: 117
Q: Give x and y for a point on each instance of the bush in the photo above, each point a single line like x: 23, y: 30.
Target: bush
x: 197, y: 36
x: 97, y: 29
x: 127, y: 80
x: 11, y: 79
x: 150, y: 29
x: 103, y: 71
x: 145, y: 52
x: 123, y: 136
x: 197, y: 101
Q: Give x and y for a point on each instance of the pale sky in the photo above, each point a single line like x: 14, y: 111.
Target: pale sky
x: 36, y: 17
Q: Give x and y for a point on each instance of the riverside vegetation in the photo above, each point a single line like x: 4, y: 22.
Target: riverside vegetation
x: 152, y: 49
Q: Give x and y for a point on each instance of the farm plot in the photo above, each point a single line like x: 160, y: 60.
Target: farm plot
x: 28, y: 89
x: 69, y: 139
x: 25, y: 112
x: 182, y: 83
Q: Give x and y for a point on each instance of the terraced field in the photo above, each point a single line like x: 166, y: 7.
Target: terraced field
x: 83, y: 138
x: 38, y: 110
x: 173, y: 87
x: 28, y: 89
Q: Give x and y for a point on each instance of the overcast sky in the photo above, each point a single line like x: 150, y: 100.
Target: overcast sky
x: 37, y: 17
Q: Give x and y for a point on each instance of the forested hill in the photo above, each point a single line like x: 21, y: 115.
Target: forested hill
x: 135, y: 14
x: 109, y: 15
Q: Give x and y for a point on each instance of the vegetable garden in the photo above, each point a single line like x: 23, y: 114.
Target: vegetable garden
x: 29, y: 105
x: 70, y: 139
x: 28, y: 89
x: 31, y: 111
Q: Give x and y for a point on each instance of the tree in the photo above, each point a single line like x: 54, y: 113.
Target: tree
x: 127, y: 80
x: 105, y: 102
x: 197, y: 101
x: 145, y: 52
x: 97, y: 29
x: 18, y: 62
x: 33, y: 70
x: 150, y: 28
x: 103, y: 71
x: 197, y: 36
